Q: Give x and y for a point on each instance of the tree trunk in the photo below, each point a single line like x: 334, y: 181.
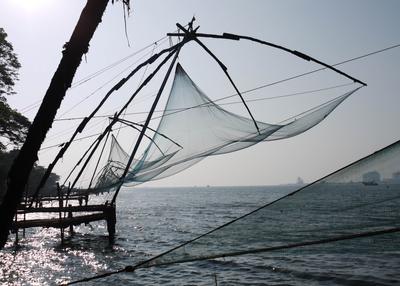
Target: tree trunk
x: 72, y: 55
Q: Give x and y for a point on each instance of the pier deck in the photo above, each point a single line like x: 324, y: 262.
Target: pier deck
x: 90, y: 214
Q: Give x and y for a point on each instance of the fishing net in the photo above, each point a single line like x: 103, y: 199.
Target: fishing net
x: 359, y: 200
x: 194, y: 127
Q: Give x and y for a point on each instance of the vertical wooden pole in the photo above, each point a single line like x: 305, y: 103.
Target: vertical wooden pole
x: 16, y: 229
x: 111, y: 218
x: 71, y: 227
x: 60, y: 205
x: 26, y: 203
x: 144, y: 128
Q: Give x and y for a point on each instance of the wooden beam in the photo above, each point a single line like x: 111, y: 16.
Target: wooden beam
x: 58, y: 223
x: 90, y: 208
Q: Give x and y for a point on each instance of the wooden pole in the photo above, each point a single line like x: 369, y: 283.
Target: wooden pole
x: 71, y: 226
x: 111, y: 219
x: 77, y: 46
x: 16, y: 230
x: 141, y: 135
x: 225, y: 70
x: 114, y: 120
x: 86, y: 119
x: 25, y: 204
x: 60, y: 205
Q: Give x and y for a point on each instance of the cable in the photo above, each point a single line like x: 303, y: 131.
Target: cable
x: 99, y: 72
x: 280, y: 81
x: 140, y: 82
x: 30, y: 106
x: 203, y: 105
x: 226, y: 103
x: 262, y: 86
x: 106, y: 83
x: 91, y: 125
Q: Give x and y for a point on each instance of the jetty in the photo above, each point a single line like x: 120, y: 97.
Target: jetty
x: 64, y: 216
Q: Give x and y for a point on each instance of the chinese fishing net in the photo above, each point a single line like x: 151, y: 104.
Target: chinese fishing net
x: 194, y: 127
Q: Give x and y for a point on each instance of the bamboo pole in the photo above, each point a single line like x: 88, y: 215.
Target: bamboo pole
x: 153, y: 107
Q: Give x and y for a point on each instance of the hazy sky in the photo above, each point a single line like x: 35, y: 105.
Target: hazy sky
x: 331, y: 31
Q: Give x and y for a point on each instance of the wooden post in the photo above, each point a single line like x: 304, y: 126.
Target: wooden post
x: 71, y: 227
x: 23, y: 230
x: 26, y: 202
x: 111, y: 219
x: 16, y: 229
x: 60, y: 205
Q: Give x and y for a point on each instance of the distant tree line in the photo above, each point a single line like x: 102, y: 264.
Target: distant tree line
x: 6, y: 159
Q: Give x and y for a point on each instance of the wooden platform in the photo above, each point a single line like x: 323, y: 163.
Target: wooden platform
x: 59, y: 223
x: 88, y: 208
x: 67, y: 218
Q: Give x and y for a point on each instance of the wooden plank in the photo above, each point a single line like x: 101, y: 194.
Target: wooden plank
x: 55, y: 198
x: 89, y: 208
x: 59, y: 223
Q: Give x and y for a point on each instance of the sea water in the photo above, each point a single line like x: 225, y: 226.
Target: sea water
x: 153, y: 220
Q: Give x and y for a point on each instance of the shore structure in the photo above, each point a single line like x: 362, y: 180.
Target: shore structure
x: 67, y: 214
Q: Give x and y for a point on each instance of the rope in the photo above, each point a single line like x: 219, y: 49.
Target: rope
x: 247, y: 91
x: 250, y: 90
x: 82, y: 125
x: 293, y: 77
x: 131, y: 268
x: 269, y: 84
x: 91, y: 76
x: 99, y: 72
x: 140, y: 82
x: 106, y: 83
x: 226, y: 103
x: 173, y: 111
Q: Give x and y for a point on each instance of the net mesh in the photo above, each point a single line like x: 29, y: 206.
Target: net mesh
x: 361, y: 199
x: 194, y: 127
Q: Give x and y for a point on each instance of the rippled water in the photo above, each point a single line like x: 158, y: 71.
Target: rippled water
x: 152, y: 220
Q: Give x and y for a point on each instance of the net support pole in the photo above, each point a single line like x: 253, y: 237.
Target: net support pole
x: 229, y: 36
x: 223, y: 67
x: 111, y: 220
x: 155, y: 131
x: 127, y: 123
x: 98, y: 161
x: 145, y: 125
x: 109, y: 127
x: 84, y: 122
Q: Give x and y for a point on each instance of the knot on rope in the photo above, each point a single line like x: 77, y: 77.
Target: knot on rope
x: 129, y: 268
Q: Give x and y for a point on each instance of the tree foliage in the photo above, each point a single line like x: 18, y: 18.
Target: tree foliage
x: 13, y: 125
x: 9, y: 66
x: 6, y: 159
